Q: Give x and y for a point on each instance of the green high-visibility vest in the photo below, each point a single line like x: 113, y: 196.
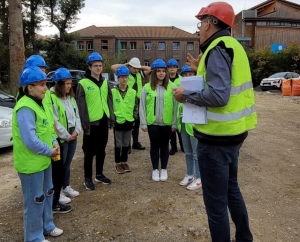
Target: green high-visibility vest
x: 123, y: 108
x: 151, y: 102
x: 138, y: 81
x: 96, y: 99
x: 61, y: 110
x: 25, y: 160
x: 177, y: 81
x: 188, y: 127
x: 239, y: 114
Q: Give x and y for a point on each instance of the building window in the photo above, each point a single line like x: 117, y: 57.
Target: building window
x: 147, y: 62
x: 190, y: 46
x: 147, y: 45
x: 104, y: 42
x: 175, y: 45
x: 261, y: 23
x: 133, y: 45
x: 80, y: 45
x: 161, y: 45
x: 89, y: 45
x: 248, y: 23
x: 123, y: 45
x: 104, y: 47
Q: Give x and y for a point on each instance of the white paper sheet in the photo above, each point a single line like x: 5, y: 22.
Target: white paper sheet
x: 191, y: 113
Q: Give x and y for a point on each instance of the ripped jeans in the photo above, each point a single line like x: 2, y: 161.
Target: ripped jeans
x: 38, y: 198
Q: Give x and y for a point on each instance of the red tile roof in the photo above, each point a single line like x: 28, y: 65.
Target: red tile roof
x: 135, y: 32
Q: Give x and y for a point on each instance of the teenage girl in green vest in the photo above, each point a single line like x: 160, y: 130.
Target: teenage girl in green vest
x: 34, y: 145
x: 67, y: 122
x: 192, y: 177
x: 158, y: 115
x: 59, y: 199
x: 126, y: 111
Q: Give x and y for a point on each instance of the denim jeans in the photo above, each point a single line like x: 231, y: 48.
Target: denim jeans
x: 69, y: 149
x: 38, y: 217
x: 190, y: 149
x: 159, y: 145
x: 219, y: 168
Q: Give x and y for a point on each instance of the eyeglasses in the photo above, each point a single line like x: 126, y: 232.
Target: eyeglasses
x: 97, y: 66
x: 202, y: 21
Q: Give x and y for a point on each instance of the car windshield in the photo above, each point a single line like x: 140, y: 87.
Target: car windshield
x: 280, y: 74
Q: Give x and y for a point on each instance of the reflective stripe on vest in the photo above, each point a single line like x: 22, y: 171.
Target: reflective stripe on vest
x: 123, y: 108
x: 25, y: 160
x: 151, y: 103
x: 96, y: 99
x: 239, y: 114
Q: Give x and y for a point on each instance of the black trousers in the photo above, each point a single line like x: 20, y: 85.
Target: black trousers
x: 159, y: 145
x: 173, y: 141
x: 95, y: 144
x: 136, y: 131
x: 58, y: 176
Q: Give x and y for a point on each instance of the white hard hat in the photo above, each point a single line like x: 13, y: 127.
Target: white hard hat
x: 135, y: 62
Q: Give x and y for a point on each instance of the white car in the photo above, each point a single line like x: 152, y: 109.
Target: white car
x: 274, y: 81
x: 5, y: 127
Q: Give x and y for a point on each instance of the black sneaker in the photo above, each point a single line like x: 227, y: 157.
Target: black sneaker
x: 61, y: 208
x: 137, y: 146
x: 102, y: 179
x: 89, y: 185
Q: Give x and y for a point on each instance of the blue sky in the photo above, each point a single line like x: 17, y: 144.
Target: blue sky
x: 177, y: 13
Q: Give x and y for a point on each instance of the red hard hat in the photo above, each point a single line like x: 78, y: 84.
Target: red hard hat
x: 220, y: 10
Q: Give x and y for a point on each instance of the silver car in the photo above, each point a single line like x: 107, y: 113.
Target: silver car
x: 5, y: 127
x: 275, y: 81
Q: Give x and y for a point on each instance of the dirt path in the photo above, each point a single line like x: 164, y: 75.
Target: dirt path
x: 134, y: 208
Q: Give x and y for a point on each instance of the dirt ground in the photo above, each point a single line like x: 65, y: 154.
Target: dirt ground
x: 134, y: 208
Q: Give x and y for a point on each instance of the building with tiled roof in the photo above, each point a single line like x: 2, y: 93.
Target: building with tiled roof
x: 145, y: 42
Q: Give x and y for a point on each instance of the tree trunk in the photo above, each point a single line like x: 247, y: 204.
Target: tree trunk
x: 16, y: 44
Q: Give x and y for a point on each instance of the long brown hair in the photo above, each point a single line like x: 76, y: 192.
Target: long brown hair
x: 59, y: 90
x: 153, y: 79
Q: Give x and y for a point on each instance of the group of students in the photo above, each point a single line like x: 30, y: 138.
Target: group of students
x: 47, y: 122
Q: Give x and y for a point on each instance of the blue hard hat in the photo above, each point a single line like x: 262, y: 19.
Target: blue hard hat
x: 95, y: 56
x: 186, y: 68
x: 31, y: 75
x: 61, y: 74
x: 35, y: 60
x: 159, y: 63
x: 122, y: 71
x: 172, y: 62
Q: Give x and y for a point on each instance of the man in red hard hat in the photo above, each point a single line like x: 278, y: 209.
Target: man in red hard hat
x: 229, y: 100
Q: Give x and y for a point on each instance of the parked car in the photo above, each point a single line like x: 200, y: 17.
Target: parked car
x: 7, y: 100
x: 275, y: 81
x: 5, y: 127
x: 77, y: 75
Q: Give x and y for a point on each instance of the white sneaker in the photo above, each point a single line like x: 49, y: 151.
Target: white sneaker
x: 163, y: 175
x: 63, y: 199
x: 195, y: 184
x: 186, y: 180
x: 45, y: 240
x: 155, y: 175
x: 56, y: 232
x: 70, y: 192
